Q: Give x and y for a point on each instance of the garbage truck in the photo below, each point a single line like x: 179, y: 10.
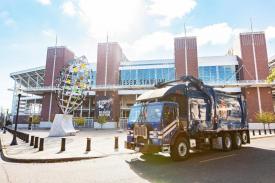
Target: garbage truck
x: 186, y: 114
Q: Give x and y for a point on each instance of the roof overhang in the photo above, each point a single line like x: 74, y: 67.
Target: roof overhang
x: 154, y: 94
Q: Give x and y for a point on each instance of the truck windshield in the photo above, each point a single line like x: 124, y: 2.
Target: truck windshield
x: 145, y: 113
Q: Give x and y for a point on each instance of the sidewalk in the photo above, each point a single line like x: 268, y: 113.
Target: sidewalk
x: 102, y: 145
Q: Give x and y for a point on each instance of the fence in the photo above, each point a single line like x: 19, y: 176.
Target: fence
x: 88, y: 123
x: 21, y: 135
x: 123, y: 123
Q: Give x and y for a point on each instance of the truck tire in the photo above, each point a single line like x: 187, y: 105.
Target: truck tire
x: 227, y: 142
x: 237, y: 140
x: 180, y: 150
x: 244, y: 137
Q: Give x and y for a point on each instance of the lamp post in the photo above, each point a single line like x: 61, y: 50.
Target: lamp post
x: 14, y: 141
x: 6, y: 120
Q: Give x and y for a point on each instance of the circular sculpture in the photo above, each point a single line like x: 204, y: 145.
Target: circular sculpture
x: 72, y: 84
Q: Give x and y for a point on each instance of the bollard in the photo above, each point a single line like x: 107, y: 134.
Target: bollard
x: 259, y: 132
x: 36, y: 142
x: 274, y: 131
x: 270, y: 131
x: 88, y: 146
x: 265, y: 131
x: 32, y: 140
x: 116, y: 142
x: 41, y: 144
x: 253, y: 132
x: 27, y: 138
x: 63, y: 142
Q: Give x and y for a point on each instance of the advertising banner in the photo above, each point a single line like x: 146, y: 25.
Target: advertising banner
x: 104, y: 106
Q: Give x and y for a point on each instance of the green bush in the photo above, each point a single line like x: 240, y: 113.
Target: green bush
x: 265, y: 118
x: 80, y: 121
x: 101, y: 120
x: 35, y: 119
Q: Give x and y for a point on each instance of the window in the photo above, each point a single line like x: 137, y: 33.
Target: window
x: 169, y: 114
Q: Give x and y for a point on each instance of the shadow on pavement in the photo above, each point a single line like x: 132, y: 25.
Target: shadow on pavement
x: 246, y: 165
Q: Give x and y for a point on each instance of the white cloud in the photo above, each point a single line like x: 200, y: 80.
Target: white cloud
x: 270, y: 32
x: 215, y: 34
x: 49, y: 33
x: 155, y: 45
x: 68, y: 8
x: 7, y: 19
x: 160, y: 44
x: 170, y: 9
x: 45, y: 2
x: 116, y: 17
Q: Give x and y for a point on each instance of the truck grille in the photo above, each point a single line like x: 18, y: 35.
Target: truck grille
x: 140, y: 131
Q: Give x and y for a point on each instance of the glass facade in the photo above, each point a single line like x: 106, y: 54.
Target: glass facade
x: 213, y: 74
x: 208, y: 74
x: 146, y: 76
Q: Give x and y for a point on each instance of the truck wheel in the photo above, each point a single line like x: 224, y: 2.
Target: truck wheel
x: 180, y: 150
x: 227, y: 142
x: 244, y: 137
x: 237, y: 140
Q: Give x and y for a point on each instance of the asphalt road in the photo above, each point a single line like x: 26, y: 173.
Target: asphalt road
x: 253, y: 163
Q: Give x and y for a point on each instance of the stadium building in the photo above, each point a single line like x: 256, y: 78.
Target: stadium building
x: 121, y: 81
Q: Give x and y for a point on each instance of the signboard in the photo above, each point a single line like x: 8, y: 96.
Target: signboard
x: 140, y: 81
x: 104, y: 106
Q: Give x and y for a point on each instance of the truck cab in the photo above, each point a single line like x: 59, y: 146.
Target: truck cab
x: 148, y: 123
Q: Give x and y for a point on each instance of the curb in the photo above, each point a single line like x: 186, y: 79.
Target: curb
x: 50, y: 160
x: 260, y: 137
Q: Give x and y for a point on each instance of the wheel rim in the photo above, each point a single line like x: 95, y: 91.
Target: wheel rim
x: 182, y: 149
x: 238, y: 140
x: 244, y: 137
x: 228, y: 142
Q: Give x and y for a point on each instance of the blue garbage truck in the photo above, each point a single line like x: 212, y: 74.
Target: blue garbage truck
x: 186, y: 114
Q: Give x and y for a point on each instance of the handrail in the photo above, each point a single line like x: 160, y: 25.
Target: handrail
x: 239, y: 83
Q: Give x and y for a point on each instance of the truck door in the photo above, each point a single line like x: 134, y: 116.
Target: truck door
x: 169, y: 114
x: 170, y: 119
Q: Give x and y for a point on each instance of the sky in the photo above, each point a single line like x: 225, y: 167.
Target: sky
x: 145, y: 29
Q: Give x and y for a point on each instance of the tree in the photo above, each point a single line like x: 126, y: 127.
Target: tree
x: 265, y: 118
x: 271, y: 76
x: 79, y: 121
x: 101, y: 120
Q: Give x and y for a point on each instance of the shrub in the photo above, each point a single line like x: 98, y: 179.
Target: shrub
x: 101, y: 120
x: 35, y: 119
x: 79, y: 121
x: 265, y: 118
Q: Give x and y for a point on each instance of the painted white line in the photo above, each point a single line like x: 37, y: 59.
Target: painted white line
x: 217, y: 158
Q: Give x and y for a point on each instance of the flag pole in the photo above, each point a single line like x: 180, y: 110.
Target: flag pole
x: 53, y: 73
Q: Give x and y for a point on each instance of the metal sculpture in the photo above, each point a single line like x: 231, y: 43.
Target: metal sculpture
x: 72, y: 85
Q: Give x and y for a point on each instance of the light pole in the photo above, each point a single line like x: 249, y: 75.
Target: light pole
x: 6, y: 120
x: 14, y: 141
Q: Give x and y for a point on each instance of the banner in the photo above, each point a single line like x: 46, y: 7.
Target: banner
x: 104, y: 106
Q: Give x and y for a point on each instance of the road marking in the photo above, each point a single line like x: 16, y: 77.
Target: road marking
x: 213, y: 159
